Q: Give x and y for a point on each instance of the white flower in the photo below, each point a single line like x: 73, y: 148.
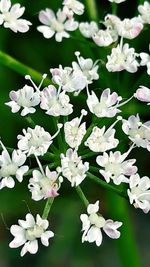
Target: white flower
x: 115, y: 167
x: 88, y: 68
x: 101, y: 141
x: 28, y: 231
x: 35, y: 141
x: 103, y: 38
x: 70, y: 80
x: 73, y: 168
x: 144, y: 11
x: 25, y: 99
x: 88, y: 29
x: 107, y: 106
x: 75, y: 6
x: 58, y: 25
x: 12, y: 166
x: 116, y: 1
x: 130, y: 28
x: 139, y: 192
x: 145, y: 60
x: 122, y: 58
x: 143, y: 94
x: 74, y: 132
x: 10, y: 16
x: 55, y: 103
x: 137, y: 132
x: 44, y: 185
x: 92, y: 223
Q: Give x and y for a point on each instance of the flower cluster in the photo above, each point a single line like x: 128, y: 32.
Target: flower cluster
x: 86, y: 130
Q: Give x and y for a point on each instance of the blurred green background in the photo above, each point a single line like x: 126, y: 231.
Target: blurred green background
x: 66, y: 248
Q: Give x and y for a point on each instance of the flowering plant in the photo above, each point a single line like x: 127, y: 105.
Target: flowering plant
x: 92, y: 129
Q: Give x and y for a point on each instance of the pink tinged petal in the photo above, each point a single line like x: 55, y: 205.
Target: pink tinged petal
x: 45, y: 237
x: 17, y: 11
x: 14, y: 106
x: 22, y: 25
x: 52, y: 193
x: 46, y: 31
x: 5, y: 5
x: 46, y: 16
x: 143, y: 94
x: 110, y: 228
x: 13, y: 95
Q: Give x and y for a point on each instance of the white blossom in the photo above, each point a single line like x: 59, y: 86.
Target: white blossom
x: 44, y: 184
x: 93, y: 223
x: 137, y: 132
x: 129, y: 28
x: 75, y: 6
x: 143, y: 94
x: 101, y: 140
x: 107, y: 106
x: 55, y: 103
x: 27, y: 233
x: 88, y: 68
x: 116, y: 167
x: 144, y: 11
x: 139, y: 192
x: 70, y: 80
x: 11, y: 167
x: 122, y: 58
x: 88, y: 29
x: 36, y: 141
x: 25, y: 99
x: 74, y: 131
x: 10, y: 17
x: 73, y: 168
x: 145, y: 60
x: 58, y: 25
x: 103, y: 38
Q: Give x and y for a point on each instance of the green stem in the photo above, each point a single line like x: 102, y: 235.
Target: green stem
x: 114, y: 8
x: 92, y: 9
x: 47, y: 208
x: 21, y: 68
x: 30, y: 121
x: 106, y: 186
x: 82, y: 196
x: 127, y: 247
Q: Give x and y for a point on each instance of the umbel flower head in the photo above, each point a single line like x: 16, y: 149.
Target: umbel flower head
x: 73, y: 168
x: 74, y: 132
x: 139, y: 192
x: 93, y: 222
x: 28, y: 231
x: 36, y: 141
x: 116, y: 167
x: 24, y: 98
x: 44, y: 184
x: 55, y: 102
x: 101, y: 140
x: 10, y: 17
x: 58, y: 25
x: 11, y: 167
x: 143, y: 94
